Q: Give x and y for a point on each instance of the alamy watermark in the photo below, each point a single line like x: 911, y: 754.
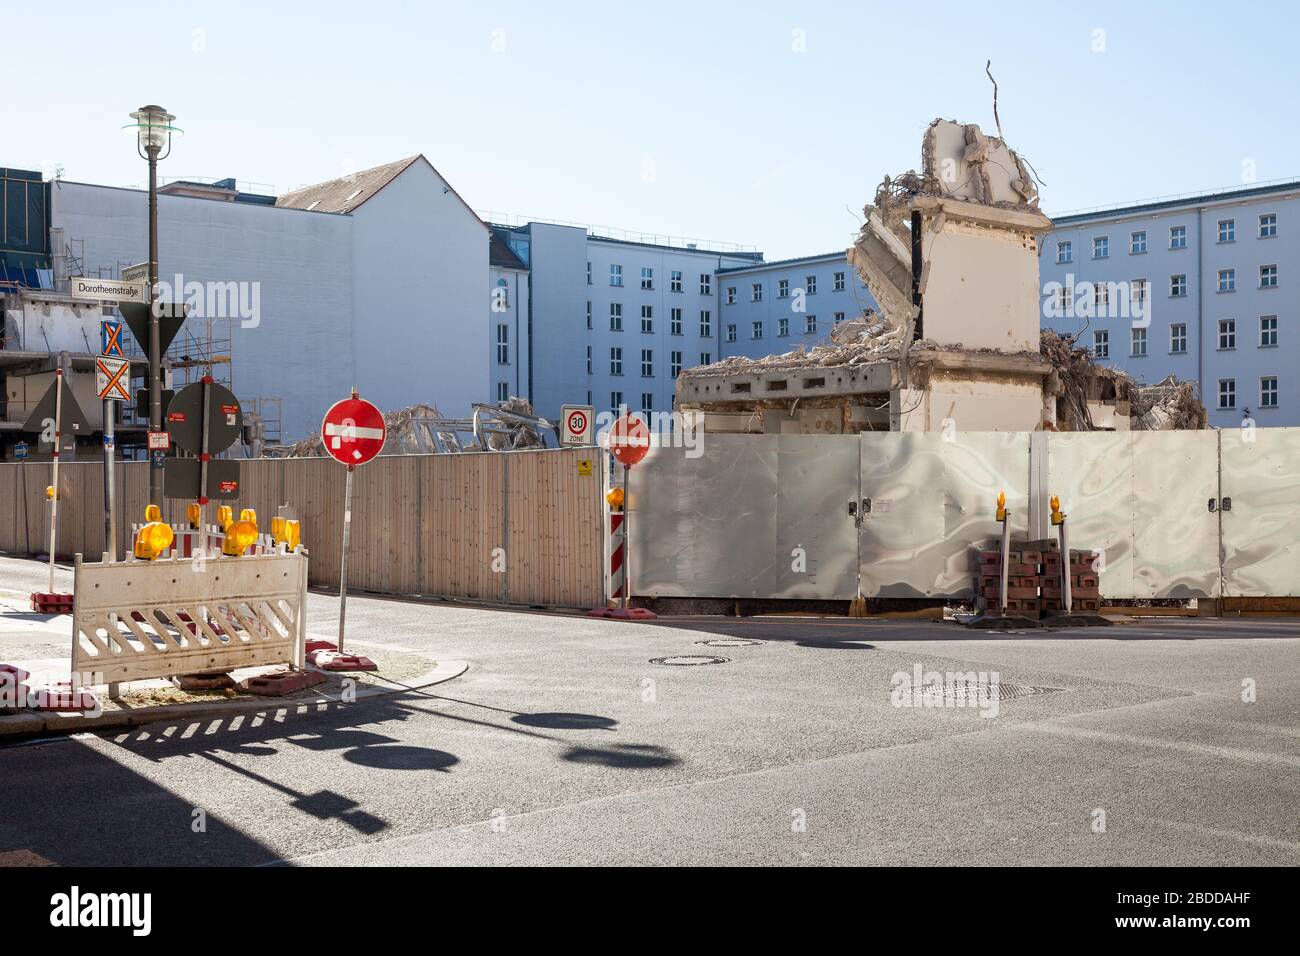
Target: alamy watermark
x: 947, y: 689
x: 215, y: 300
x: 1082, y: 299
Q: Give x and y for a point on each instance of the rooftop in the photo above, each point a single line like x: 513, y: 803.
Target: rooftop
x: 1224, y: 194
x: 626, y: 236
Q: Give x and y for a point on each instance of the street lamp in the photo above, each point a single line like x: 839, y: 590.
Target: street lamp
x: 154, y: 130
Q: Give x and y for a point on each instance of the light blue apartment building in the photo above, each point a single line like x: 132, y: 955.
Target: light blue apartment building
x: 1205, y: 287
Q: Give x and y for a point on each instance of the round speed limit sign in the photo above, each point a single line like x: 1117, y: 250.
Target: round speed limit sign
x: 576, y: 428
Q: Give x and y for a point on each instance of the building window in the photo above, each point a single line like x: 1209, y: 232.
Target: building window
x: 1227, y: 230
x: 1267, y: 331
x: 1268, y: 391
x: 1138, y: 343
x: 647, y: 318
x: 731, y: 295
x: 647, y: 363
x: 809, y: 324
x: 503, y: 391
x: 756, y: 292
x: 838, y: 284
x: 1064, y: 295
x: 616, y: 275
x: 588, y: 396
x: 1177, y: 286
x: 1138, y: 290
x: 675, y: 363
x: 589, y: 365
x: 616, y: 401
x: 1268, y: 225
x: 810, y: 285
x: 1227, y: 333
x: 706, y: 358
x: 706, y: 284
x: 588, y: 273
x: 1101, y: 247
x: 1101, y: 343
x: 675, y: 321
x: 756, y: 330
x: 675, y: 282
x: 588, y: 313
x: 1137, y: 242
x: 1227, y: 393
x: 783, y: 289
x: 616, y: 316
x: 1064, y: 252
x: 837, y: 318
x: 1178, y: 337
x: 706, y: 324
x: 502, y: 302
x: 782, y: 327
x: 503, y: 345
x: 647, y: 278
x: 1268, y: 277
x: 647, y: 401
x: 731, y: 333
x: 1228, y: 280
x: 616, y: 361
x: 1101, y: 298
x: 1177, y: 237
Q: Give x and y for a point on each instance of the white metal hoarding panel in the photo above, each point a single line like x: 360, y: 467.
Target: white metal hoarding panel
x: 816, y: 548
x: 1092, y: 474
x: 976, y: 466
x: 1175, y: 535
x: 902, y: 527
x: 211, y: 614
x: 1261, y: 533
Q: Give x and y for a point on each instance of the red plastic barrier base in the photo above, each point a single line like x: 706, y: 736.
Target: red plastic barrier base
x: 63, y: 697
x: 13, y: 690
x: 279, y: 683
x: 332, y: 660
x: 51, y: 603
x: 321, y: 646
x: 624, y: 614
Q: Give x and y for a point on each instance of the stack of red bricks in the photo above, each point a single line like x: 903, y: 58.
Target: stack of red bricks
x: 1034, y: 578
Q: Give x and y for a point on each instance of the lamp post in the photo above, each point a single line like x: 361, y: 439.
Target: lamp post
x: 152, y: 125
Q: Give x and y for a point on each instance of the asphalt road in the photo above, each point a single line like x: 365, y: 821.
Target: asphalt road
x: 563, y: 743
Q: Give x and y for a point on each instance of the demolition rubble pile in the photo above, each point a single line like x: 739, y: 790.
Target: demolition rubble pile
x: 860, y: 341
x: 1169, y: 404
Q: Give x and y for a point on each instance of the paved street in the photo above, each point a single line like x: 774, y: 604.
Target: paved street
x: 564, y: 744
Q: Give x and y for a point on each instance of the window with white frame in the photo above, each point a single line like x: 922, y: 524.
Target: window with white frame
x: 647, y: 278
x: 588, y: 313
x: 1267, y: 331
x: 615, y: 274
x: 616, y: 316
x: 503, y: 391
x: 1101, y: 247
x: 1138, y: 290
x: 615, y: 361
x: 1100, y: 298
x: 837, y: 284
x: 647, y: 401
x: 503, y: 344
x: 1138, y: 343
x: 1063, y: 296
x: 809, y: 324
x: 782, y: 327
x: 1227, y: 393
x: 588, y: 273
x: 1178, y: 337
x: 1177, y: 286
x: 1064, y: 252
x: 675, y: 363
x: 1137, y: 242
x: 783, y: 289
x: 1227, y: 280
x: 1101, y: 343
x: 616, y: 401
x: 675, y: 321
x: 756, y: 292
x: 706, y: 358
x: 675, y: 281
x: 1268, y: 277
x: 1177, y: 237
x: 756, y: 329
x: 1268, y: 225
x: 589, y: 360
x: 810, y: 285
x: 731, y: 295
x: 1268, y: 391
x: 1227, y: 230
x: 837, y: 318
x: 706, y: 284
x: 731, y: 333
x: 1227, y: 334
x: 647, y: 363
x: 647, y: 318
x: 706, y: 323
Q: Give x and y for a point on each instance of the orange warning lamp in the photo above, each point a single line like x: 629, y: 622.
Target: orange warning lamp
x: 1057, y: 517
x: 248, y: 514
x: 1002, y: 506
x: 615, y: 499
x: 224, y: 517
x: 49, y: 492
x: 239, y: 535
x: 194, y: 512
x: 292, y: 534
x: 153, y: 539
x: 151, y: 513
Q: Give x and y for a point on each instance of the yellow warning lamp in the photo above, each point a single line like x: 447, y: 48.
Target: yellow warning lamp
x: 292, y: 534
x: 193, y: 513
x: 49, y: 492
x: 239, y: 535
x: 248, y: 514
x: 615, y: 499
x: 224, y: 517
x: 277, y: 529
x: 1057, y: 517
x: 153, y: 539
x: 151, y: 513
x: 1002, y: 506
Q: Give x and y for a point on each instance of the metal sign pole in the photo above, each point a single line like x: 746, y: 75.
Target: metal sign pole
x: 205, y: 453
x: 1006, y: 560
x: 58, y: 440
x: 1066, y: 569
x: 627, y: 549
x: 110, y: 484
x: 347, y: 536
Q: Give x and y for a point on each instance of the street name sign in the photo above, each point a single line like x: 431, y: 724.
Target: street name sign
x: 108, y: 289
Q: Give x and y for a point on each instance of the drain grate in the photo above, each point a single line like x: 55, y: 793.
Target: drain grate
x: 688, y: 660
x: 729, y: 642
x: 962, y: 690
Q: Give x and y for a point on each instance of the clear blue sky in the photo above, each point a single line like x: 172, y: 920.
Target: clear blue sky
x: 747, y: 140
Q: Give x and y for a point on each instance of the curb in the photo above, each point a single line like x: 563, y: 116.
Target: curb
x: 30, y: 723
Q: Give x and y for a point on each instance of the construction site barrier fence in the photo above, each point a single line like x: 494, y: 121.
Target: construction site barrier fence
x: 1201, y: 514
x: 523, y: 527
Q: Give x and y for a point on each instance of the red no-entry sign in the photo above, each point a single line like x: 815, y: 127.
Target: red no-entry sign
x: 629, y: 440
x: 353, y: 431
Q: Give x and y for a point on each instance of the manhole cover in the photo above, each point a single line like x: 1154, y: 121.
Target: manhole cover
x: 688, y: 660
x: 962, y: 690
x: 729, y: 642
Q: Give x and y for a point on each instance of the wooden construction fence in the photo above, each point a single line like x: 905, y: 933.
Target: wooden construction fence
x: 421, y: 524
